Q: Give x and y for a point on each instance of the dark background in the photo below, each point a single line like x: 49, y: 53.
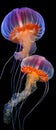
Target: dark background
x: 44, y: 115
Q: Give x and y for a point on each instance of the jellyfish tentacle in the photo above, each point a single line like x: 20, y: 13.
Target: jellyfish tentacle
x: 12, y: 76
x: 13, y: 61
x: 43, y: 96
x: 14, y: 118
x: 21, y: 82
x: 5, y: 66
x: 20, y: 111
x: 15, y: 77
x: 8, y: 108
x: 18, y: 97
x: 7, y: 112
x: 13, y: 71
x: 18, y: 81
x: 13, y: 66
x: 24, y: 97
x: 13, y: 123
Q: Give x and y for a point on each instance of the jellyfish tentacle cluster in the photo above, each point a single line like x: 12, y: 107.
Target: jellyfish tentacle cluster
x: 24, y: 26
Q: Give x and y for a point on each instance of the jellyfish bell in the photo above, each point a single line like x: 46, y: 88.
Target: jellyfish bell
x: 37, y: 68
x: 23, y: 26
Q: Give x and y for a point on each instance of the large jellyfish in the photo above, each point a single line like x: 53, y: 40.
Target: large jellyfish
x: 23, y: 26
x: 37, y: 68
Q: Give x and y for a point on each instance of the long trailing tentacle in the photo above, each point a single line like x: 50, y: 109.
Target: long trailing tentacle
x: 21, y: 82
x: 23, y: 101
x: 13, y: 66
x: 13, y: 72
x: 12, y: 76
x: 13, y: 61
x: 14, y: 86
x: 16, y: 73
x: 19, y: 113
x: 13, y: 124
x: 14, y: 117
x: 18, y: 80
x: 22, y: 106
x: 5, y: 66
x: 43, y: 96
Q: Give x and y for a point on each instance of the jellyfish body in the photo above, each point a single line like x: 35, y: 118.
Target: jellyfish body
x: 37, y: 68
x: 23, y: 26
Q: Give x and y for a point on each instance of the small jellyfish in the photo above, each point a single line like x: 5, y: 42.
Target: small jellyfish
x: 37, y: 68
x: 23, y: 26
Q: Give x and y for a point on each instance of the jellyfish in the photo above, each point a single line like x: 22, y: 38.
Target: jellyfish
x: 23, y: 26
x: 37, y: 68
